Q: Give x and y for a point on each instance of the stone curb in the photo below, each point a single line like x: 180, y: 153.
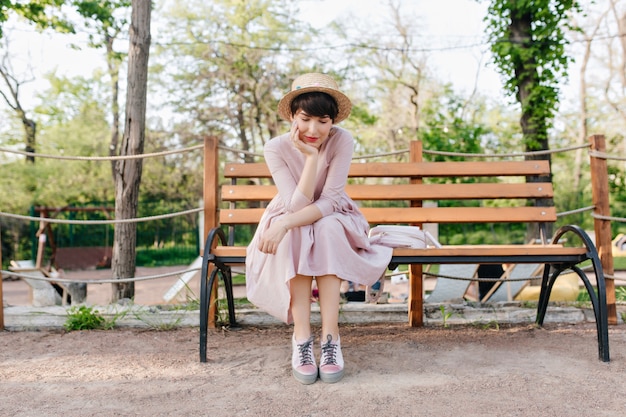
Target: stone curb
x: 19, y: 318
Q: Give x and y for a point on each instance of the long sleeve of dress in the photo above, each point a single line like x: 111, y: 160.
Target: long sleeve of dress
x: 339, y: 161
x: 277, y: 154
x: 286, y: 164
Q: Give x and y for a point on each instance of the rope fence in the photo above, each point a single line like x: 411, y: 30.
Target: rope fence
x: 596, y: 154
x: 101, y: 222
x: 442, y: 153
x: 102, y: 158
x: 97, y: 281
x: 610, y: 218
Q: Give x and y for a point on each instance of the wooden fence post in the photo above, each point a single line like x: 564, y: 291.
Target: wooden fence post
x: 602, y: 227
x: 416, y: 279
x: 211, y: 184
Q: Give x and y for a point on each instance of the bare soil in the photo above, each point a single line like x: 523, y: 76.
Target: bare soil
x: 391, y: 370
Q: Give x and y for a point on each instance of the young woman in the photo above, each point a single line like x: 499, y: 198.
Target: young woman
x: 311, y: 229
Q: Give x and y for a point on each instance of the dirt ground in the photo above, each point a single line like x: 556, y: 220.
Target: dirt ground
x: 391, y: 370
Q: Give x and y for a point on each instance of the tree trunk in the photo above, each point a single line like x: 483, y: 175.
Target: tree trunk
x: 128, y: 172
x: 30, y: 129
x: 534, y: 127
x: 114, y: 69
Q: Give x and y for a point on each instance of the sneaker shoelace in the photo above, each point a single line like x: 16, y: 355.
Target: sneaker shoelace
x: 329, y: 351
x: 305, y: 352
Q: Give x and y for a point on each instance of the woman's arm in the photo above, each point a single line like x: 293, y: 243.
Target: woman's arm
x: 303, y: 192
x: 340, y: 159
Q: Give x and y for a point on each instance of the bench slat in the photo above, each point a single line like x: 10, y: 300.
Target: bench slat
x: 400, y: 215
x: 413, y: 169
x: 462, y: 250
x: 407, y: 191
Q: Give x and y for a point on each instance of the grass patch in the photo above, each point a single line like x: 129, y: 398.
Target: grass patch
x: 88, y: 318
x: 239, y: 280
x: 620, y: 295
x: 168, y: 256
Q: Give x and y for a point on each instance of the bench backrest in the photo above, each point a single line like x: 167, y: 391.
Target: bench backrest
x: 394, y: 192
x: 411, y: 192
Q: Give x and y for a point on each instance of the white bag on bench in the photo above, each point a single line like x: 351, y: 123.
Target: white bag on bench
x: 402, y: 237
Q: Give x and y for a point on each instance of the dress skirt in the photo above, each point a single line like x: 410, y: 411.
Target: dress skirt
x: 336, y: 244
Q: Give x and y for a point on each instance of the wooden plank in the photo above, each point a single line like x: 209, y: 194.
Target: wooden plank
x: 449, y: 191
x: 493, y: 250
x: 450, y: 169
x: 409, y: 215
x: 452, y: 250
x: 413, y: 169
x: 392, y: 215
x: 249, y: 170
x: 407, y: 191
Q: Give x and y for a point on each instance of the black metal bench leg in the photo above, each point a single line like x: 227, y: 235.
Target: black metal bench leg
x: 599, y: 308
x: 598, y: 301
x: 204, y: 309
x: 206, y: 288
x: 227, y: 277
x: 544, y: 295
x: 204, y: 313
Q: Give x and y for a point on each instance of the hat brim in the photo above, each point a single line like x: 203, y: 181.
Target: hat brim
x: 343, y: 102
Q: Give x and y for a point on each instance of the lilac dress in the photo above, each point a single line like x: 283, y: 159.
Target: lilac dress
x: 337, y: 244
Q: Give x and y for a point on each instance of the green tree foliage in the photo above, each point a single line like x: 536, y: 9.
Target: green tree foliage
x: 450, y: 126
x: 234, y: 60
x: 43, y: 13
x: 51, y: 14
x: 528, y: 44
x: 74, y: 125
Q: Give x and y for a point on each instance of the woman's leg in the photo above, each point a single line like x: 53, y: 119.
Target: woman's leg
x: 329, y: 287
x: 304, y: 367
x: 331, y: 362
x: 300, y: 288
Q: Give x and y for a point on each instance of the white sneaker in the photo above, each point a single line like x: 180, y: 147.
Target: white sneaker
x: 331, y: 364
x: 303, y: 365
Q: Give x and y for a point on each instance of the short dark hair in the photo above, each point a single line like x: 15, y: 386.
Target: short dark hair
x: 315, y: 104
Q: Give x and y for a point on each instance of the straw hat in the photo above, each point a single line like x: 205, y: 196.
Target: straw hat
x: 315, y: 82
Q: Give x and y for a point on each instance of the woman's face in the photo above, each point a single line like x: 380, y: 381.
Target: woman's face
x: 313, y: 130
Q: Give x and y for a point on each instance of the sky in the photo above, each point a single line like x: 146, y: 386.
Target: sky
x: 446, y: 25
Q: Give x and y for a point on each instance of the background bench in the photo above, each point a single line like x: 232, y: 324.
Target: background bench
x: 394, y: 193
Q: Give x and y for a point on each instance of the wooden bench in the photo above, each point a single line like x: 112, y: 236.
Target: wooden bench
x: 393, y: 193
